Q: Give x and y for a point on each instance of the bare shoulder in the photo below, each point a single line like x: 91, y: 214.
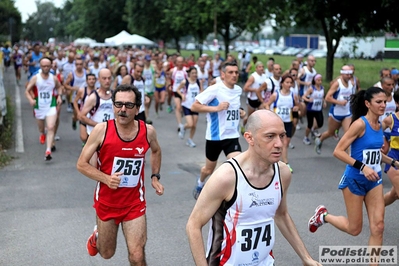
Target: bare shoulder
x: 285, y: 175
x: 221, y: 183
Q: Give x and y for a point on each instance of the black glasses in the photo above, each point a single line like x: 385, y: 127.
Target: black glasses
x: 129, y: 105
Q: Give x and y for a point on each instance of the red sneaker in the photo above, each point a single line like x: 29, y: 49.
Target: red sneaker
x: 42, y: 138
x: 317, y: 219
x: 91, y: 245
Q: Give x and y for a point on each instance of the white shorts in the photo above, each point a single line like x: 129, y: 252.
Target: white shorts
x: 43, y: 113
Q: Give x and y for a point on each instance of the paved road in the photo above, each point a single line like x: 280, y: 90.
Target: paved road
x: 46, y: 209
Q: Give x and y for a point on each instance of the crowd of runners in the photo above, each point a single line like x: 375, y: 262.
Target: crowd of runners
x: 91, y: 81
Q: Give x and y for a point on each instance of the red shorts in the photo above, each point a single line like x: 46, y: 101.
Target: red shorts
x: 119, y: 215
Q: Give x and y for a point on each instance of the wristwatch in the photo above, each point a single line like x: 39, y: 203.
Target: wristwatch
x: 157, y: 175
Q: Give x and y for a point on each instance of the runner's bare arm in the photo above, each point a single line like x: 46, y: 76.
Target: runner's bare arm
x: 219, y: 187
x: 285, y: 223
x: 155, y: 159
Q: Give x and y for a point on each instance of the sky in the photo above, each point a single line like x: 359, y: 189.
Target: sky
x: 27, y: 7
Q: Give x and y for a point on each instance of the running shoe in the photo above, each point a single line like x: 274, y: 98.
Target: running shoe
x: 289, y: 166
x: 57, y: 138
x: 47, y: 156
x: 53, y: 148
x: 69, y: 108
x: 291, y: 146
x: 91, y: 244
x: 306, y: 141
x: 42, y: 138
x: 170, y: 109
x: 316, y: 133
x: 182, y: 131
x: 298, y: 126
x: 317, y: 145
x: 336, y: 135
x: 191, y: 143
x: 317, y: 219
x: 148, y: 121
x: 197, y: 190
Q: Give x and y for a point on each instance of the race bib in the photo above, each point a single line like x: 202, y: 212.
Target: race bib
x: 45, y: 98
x: 130, y: 169
x: 372, y: 158
x: 232, y: 119
x: 317, y: 104
x: 284, y: 113
x: 161, y: 80
x: 254, y: 242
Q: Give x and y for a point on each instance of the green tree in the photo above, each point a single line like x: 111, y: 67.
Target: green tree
x: 10, y: 20
x: 236, y: 16
x: 191, y: 17
x: 102, y: 18
x: 151, y: 21
x: 40, y: 25
x: 338, y: 19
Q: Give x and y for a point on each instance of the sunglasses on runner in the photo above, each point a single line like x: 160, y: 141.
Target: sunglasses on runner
x: 129, y: 105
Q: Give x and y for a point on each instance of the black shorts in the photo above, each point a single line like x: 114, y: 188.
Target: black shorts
x: 187, y: 111
x: 288, y: 129
x: 254, y: 103
x: 140, y: 116
x: 177, y: 95
x: 213, y: 148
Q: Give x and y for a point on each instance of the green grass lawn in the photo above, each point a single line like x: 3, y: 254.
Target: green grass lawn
x: 366, y: 70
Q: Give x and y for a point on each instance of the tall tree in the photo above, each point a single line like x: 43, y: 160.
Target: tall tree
x: 103, y: 18
x: 236, y: 16
x: 338, y: 19
x: 10, y: 20
x: 192, y: 17
x: 151, y: 20
x: 40, y: 25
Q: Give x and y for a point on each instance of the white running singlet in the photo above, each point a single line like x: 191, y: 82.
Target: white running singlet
x: 224, y: 124
x: 343, y: 93
x: 104, y: 112
x: 242, y: 230
x: 192, y: 91
x: 258, y: 81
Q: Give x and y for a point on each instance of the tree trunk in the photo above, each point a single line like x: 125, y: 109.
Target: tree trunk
x: 226, y: 39
x: 177, y: 44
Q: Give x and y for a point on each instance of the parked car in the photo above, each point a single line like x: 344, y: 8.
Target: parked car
x: 307, y: 51
x: 259, y: 50
x: 277, y: 50
x: 190, y: 46
x: 318, y: 53
x: 292, y: 51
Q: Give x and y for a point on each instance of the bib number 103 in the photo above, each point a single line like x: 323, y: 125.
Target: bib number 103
x: 254, y: 236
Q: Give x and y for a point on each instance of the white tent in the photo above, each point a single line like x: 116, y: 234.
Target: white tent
x: 117, y: 39
x: 83, y: 41
x: 137, y: 40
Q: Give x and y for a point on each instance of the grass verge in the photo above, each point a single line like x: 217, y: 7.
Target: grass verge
x: 6, y: 134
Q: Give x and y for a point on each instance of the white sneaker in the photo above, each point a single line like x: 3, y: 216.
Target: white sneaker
x: 298, y: 127
x: 182, y: 131
x: 69, y: 108
x: 191, y: 143
x: 306, y: 141
x: 291, y: 146
x: 57, y: 137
